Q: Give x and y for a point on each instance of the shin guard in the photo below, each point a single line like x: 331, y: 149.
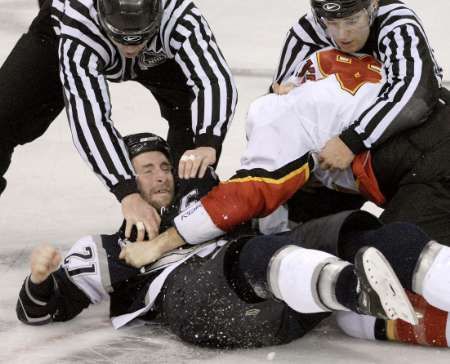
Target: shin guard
x: 293, y: 276
x: 431, y: 277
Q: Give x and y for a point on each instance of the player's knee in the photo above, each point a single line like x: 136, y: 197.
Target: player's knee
x: 252, y: 264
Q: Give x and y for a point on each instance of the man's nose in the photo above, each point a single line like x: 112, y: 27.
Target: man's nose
x: 342, y: 32
x: 130, y: 48
x: 160, y: 175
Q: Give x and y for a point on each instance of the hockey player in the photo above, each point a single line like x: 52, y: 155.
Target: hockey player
x: 70, y: 52
x: 392, y: 32
x: 249, y: 291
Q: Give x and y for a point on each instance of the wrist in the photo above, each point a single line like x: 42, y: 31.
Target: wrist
x: 37, y: 279
x: 130, y: 198
x: 169, y: 240
x: 352, y: 140
x: 124, y: 189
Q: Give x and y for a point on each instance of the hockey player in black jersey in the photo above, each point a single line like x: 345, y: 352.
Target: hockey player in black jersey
x: 388, y: 30
x: 244, y: 291
x: 70, y: 52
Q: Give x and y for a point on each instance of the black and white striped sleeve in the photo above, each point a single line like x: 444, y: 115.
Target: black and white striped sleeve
x: 303, y: 39
x: 88, y: 109
x: 188, y: 37
x: 409, y: 93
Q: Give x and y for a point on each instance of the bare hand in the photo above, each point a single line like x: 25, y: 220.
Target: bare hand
x: 335, y: 155
x: 45, y: 259
x: 195, y: 162
x: 140, y: 253
x: 137, y: 211
x: 282, y: 89
x: 146, y: 252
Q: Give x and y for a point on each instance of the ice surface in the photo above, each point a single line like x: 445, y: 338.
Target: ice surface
x: 53, y: 197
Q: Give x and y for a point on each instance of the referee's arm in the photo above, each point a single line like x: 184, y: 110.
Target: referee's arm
x: 408, y: 95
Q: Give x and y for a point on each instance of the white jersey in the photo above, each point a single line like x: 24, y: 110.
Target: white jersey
x: 321, y: 107
x: 283, y: 131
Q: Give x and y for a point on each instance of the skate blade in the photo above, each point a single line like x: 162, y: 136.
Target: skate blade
x: 384, y: 281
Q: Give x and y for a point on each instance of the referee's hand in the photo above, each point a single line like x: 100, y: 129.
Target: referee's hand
x: 137, y: 211
x: 194, y: 162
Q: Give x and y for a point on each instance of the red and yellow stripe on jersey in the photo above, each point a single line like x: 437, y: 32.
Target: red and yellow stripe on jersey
x: 254, y: 193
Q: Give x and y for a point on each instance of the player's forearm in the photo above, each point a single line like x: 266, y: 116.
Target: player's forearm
x: 169, y: 240
x: 236, y: 202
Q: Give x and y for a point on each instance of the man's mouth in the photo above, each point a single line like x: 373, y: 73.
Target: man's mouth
x: 162, y: 191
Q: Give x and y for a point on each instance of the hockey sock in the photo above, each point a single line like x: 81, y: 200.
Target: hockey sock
x: 346, y: 288
x: 400, y: 243
x: 247, y: 262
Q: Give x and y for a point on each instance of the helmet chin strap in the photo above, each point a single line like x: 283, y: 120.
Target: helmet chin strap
x: 372, y: 11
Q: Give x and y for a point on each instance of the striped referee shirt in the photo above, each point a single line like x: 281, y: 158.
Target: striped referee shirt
x: 88, y: 59
x: 413, y: 77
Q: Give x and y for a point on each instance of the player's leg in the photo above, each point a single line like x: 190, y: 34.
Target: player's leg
x: 312, y: 281
x: 168, y: 85
x: 30, y: 89
x: 423, y: 267
x: 433, y: 328
x: 425, y: 204
x: 311, y: 203
x: 421, y: 263
x: 204, y: 304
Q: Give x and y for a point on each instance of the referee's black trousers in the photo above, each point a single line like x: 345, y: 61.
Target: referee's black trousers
x: 30, y: 89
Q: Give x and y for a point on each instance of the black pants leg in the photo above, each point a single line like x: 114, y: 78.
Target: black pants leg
x: 319, y: 202
x: 201, y: 305
x: 30, y: 89
x: 425, y: 204
x: 168, y: 85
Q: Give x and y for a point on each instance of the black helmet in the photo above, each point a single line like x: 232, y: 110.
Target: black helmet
x: 336, y: 9
x: 130, y: 22
x: 146, y: 142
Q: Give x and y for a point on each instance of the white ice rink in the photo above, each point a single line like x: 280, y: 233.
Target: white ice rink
x: 53, y: 197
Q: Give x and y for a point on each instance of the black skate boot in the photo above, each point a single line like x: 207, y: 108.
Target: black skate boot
x: 380, y: 292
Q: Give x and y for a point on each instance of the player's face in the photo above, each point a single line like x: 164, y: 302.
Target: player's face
x: 155, y: 178
x: 129, y: 51
x: 351, y: 33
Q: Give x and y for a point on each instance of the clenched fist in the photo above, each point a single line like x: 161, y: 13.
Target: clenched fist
x: 45, y: 259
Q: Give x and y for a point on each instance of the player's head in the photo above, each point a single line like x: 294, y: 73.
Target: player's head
x: 152, y: 162
x: 348, y: 22
x: 130, y: 23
